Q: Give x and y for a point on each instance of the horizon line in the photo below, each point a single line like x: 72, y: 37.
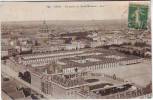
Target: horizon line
x: 62, y: 20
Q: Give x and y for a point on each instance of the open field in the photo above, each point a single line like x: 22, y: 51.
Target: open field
x: 137, y: 73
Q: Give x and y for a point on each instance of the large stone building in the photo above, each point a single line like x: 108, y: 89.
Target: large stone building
x: 70, y: 73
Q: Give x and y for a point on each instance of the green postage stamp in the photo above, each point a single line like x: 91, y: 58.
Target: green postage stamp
x: 138, y: 16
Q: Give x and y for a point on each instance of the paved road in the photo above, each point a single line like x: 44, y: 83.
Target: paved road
x: 6, y: 70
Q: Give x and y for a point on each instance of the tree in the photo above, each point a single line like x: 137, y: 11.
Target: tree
x: 27, y: 91
x: 21, y: 75
x: 27, y: 76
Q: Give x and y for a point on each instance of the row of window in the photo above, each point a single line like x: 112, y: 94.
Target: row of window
x: 94, y: 67
x: 50, y: 55
x: 101, y: 66
x: 47, y: 88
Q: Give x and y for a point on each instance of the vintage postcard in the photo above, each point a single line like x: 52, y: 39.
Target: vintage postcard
x: 76, y: 50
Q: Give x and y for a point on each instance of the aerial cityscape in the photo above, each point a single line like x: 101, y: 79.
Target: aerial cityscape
x: 101, y: 52
x: 75, y: 59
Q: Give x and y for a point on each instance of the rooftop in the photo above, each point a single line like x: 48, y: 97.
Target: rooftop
x: 79, y: 58
x: 82, y: 79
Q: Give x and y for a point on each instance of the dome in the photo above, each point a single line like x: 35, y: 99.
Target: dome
x: 44, y: 28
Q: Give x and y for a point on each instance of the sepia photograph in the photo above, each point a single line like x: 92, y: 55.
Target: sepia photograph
x: 81, y: 50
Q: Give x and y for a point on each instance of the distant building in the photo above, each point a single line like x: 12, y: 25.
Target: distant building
x: 46, y: 49
x: 75, y: 45
x: 44, y: 32
x: 94, y: 36
x: 44, y: 28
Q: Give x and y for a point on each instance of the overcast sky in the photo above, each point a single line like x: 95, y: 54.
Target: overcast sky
x: 22, y: 11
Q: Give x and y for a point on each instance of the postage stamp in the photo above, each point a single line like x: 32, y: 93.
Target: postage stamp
x: 138, y: 16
